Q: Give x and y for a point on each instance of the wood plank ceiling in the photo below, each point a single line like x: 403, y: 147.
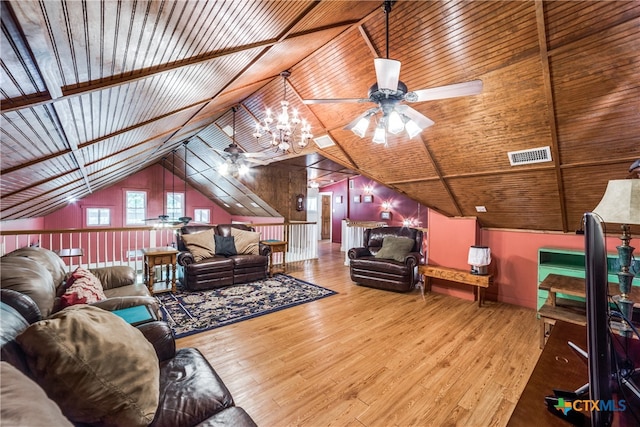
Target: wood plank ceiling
x: 93, y: 92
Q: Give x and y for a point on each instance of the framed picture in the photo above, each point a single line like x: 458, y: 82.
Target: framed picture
x: 385, y: 215
x: 338, y: 199
x: 368, y: 198
x: 356, y: 199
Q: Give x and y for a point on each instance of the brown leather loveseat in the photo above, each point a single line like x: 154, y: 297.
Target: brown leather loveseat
x: 203, y: 265
x: 86, y: 366
x: 389, y: 258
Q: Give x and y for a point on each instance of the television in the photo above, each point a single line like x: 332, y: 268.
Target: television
x: 599, y: 346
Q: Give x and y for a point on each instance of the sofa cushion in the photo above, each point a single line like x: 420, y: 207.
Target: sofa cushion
x: 225, y: 245
x: 246, y: 242
x: 201, y: 244
x: 24, y: 403
x: 97, y: 367
x: 82, y: 288
x: 395, y: 248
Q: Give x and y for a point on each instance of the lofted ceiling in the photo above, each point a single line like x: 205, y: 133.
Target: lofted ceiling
x: 93, y: 92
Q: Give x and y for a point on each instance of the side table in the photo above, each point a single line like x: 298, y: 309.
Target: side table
x: 276, y: 246
x: 160, y: 256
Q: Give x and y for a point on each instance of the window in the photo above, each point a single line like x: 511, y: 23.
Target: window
x: 175, y: 205
x: 312, y: 204
x: 136, y: 210
x: 202, y: 215
x: 98, y: 216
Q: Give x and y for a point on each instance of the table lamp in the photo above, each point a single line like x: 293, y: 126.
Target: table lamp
x: 479, y: 259
x: 621, y: 205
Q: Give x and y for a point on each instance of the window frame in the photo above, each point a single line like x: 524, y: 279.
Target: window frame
x: 127, y: 207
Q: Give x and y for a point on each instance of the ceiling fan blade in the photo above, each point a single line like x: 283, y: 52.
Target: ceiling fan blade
x: 257, y: 162
x: 387, y: 73
x: 473, y: 87
x: 335, y: 100
x: 420, y: 119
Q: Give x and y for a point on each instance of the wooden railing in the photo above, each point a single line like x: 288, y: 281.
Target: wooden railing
x: 123, y: 246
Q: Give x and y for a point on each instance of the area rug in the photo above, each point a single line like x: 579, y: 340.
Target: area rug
x: 191, y: 312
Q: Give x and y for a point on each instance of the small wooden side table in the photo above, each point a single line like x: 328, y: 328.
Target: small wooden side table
x: 480, y: 282
x: 276, y: 246
x: 160, y: 256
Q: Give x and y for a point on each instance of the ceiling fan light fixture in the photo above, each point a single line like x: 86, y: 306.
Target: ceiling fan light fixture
x: 380, y: 135
x: 396, y: 123
x: 412, y: 128
x: 361, y: 127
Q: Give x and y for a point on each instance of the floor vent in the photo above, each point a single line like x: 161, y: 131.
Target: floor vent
x: 533, y: 155
x: 324, y: 141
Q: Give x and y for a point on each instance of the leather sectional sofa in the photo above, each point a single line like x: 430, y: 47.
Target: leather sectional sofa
x: 380, y: 265
x: 210, y: 270
x: 40, y: 274
x: 131, y: 376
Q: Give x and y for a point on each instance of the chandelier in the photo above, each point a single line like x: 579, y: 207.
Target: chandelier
x: 287, y: 131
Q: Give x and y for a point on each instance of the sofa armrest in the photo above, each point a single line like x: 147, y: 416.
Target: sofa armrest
x: 263, y: 249
x: 185, y: 258
x: 115, y: 276
x: 355, y: 253
x: 160, y: 336
x: 412, y: 259
x: 117, y: 303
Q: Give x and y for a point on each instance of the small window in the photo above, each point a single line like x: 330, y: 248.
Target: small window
x: 202, y: 215
x: 136, y: 210
x: 98, y: 216
x: 175, y: 205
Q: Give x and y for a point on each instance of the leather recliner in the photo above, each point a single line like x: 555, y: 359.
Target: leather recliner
x: 219, y: 271
x: 383, y: 273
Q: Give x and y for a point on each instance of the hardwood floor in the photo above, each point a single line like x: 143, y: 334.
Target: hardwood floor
x: 367, y: 357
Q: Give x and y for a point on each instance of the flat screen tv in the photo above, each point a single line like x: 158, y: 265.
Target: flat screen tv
x: 598, y: 333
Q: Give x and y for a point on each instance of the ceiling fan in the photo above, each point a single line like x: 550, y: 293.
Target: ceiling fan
x: 165, y: 220
x: 389, y: 93
x: 237, y: 161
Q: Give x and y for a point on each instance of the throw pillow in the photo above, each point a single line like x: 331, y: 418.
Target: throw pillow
x: 82, y: 288
x: 246, y: 242
x: 24, y: 403
x: 395, y: 248
x: 201, y: 245
x: 225, y: 245
x: 95, y: 366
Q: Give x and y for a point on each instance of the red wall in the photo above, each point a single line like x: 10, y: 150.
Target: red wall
x: 402, y: 207
x: 149, y: 180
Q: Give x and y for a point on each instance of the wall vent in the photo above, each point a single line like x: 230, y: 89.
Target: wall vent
x: 533, y: 155
x: 324, y: 141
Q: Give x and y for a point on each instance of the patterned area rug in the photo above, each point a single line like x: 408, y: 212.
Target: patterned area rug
x: 190, y: 312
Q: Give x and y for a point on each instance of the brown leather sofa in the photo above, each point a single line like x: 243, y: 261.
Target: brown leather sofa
x: 190, y: 392
x: 369, y: 269
x: 217, y: 271
x: 40, y: 274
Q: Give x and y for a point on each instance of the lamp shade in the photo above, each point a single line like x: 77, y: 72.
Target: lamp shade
x: 479, y: 256
x: 621, y: 202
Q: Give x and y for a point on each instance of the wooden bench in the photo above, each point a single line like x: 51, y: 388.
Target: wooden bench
x: 479, y: 282
x: 569, y: 310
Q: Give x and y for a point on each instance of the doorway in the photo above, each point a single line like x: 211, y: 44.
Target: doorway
x: 325, y: 217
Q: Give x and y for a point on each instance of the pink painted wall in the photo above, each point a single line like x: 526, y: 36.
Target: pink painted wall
x: 514, y: 256
x: 402, y: 207
x: 149, y: 180
x: 23, y: 224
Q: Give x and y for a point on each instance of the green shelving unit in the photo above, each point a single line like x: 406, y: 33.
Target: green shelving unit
x: 568, y: 262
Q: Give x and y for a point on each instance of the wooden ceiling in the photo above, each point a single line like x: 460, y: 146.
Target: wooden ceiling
x: 93, y: 92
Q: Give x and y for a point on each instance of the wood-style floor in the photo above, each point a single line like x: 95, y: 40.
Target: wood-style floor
x: 367, y: 357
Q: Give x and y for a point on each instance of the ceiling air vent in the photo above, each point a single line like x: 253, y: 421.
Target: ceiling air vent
x: 324, y: 141
x: 533, y: 155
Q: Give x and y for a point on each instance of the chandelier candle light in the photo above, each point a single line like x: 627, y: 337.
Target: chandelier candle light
x: 283, y: 136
